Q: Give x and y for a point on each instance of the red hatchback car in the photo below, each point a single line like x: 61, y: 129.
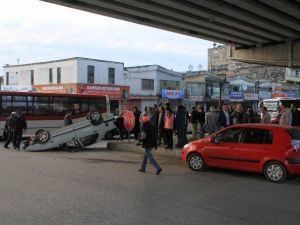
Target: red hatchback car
x: 264, y: 148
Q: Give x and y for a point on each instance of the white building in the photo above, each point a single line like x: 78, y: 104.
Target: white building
x: 147, y: 82
x: 72, y: 75
x: 65, y: 71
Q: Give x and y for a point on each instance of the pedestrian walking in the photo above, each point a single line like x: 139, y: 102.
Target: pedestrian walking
x: 265, y: 115
x: 211, y: 120
x: 68, y: 119
x: 149, y: 141
x: 19, y: 126
x: 9, y: 124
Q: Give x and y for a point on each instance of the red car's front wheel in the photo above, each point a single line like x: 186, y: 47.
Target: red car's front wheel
x: 195, y: 162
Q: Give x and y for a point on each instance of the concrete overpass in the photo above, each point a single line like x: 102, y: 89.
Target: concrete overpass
x: 259, y: 31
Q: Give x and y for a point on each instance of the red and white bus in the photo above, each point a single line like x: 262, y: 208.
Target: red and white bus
x: 47, y: 110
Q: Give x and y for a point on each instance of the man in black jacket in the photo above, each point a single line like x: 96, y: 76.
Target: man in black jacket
x: 9, y: 125
x: 136, y: 129
x: 20, y: 125
x: 149, y: 142
x: 201, y: 121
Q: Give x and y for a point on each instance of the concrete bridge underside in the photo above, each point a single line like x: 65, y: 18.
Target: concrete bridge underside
x: 259, y: 31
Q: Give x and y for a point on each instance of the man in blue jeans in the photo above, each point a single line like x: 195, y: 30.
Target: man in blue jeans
x: 149, y: 142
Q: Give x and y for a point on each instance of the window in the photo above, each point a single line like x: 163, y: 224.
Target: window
x: 7, y: 78
x: 90, y: 74
x: 58, y: 75
x: 147, y: 84
x: 51, y: 76
x: 297, y: 73
x: 230, y: 135
x: 111, y: 75
x: 32, y: 77
x: 257, y: 136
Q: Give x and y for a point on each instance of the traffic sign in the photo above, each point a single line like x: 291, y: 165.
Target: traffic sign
x: 129, y: 120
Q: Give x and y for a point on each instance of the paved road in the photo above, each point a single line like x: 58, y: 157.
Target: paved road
x: 102, y: 187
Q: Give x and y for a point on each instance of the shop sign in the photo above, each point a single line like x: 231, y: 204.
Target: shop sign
x: 279, y: 94
x: 250, y: 96
x: 236, y: 95
x: 114, y: 91
x: 16, y: 88
x: 56, y: 88
x: 172, y: 94
x: 291, y: 94
x: 118, y: 92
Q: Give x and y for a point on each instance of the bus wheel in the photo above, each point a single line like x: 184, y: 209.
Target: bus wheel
x: 95, y: 116
x: 42, y: 136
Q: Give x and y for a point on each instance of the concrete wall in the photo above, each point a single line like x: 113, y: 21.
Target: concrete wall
x: 72, y: 71
x: 101, y: 71
x: 21, y: 75
x: 220, y: 63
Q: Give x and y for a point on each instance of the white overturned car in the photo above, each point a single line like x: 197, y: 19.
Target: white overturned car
x: 77, y: 135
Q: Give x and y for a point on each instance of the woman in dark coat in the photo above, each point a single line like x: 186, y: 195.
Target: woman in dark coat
x: 149, y: 142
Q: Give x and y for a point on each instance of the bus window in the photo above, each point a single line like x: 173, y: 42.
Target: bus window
x: 19, y: 103
x: 98, y: 104
x: 6, y: 108
x: 41, y: 105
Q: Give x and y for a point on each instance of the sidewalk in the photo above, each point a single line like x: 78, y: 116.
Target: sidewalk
x: 131, y: 147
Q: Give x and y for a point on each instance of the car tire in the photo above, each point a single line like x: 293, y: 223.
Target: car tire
x: 276, y: 172
x: 42, y: 136
x: 195, y: 162
x: 95, y: 117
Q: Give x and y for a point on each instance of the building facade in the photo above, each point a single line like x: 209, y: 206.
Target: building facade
x: 72, y: 75
x: 270, y: 81
x: 153, y: 84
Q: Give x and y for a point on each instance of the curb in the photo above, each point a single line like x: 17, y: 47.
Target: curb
x: 131, y: 147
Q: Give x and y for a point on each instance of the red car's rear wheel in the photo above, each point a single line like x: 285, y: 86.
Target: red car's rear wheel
x: 274, y: 171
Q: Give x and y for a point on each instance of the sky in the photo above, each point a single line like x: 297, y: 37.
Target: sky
x: 36, y: 31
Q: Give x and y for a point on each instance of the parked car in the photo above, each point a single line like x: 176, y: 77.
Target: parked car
x: 264, y: 148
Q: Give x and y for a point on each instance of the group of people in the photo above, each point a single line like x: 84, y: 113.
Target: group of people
x: 166, y: 123
x: 14, y: 126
